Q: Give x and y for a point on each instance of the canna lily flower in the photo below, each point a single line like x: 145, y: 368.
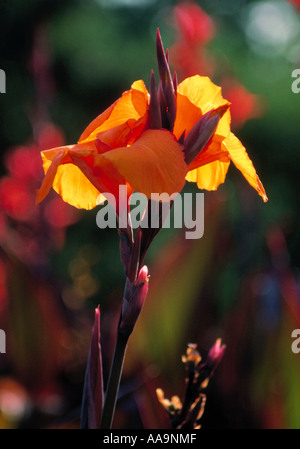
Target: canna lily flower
x: 116, y: 149
x: 152, y: 142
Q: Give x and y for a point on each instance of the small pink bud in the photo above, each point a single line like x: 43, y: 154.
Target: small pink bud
x: 215, y: 354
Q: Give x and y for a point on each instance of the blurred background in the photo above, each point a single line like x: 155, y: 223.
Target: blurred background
x: 65, y: 62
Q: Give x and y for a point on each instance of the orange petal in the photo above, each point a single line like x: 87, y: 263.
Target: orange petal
x: 154, y: 163
x: 67, y: 179
x: 212, y: 152
x: 71, y: 183
x: 209, y: 176
x: 132, y: 105
x: 196, y: 96
x: 104, y: 176
x: 96, y: 123
x: 124, y: 134
x: 241, y: 160
x: 51, y: 161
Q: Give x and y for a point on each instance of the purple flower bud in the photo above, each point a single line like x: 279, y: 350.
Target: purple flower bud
x: 201, y: 133
x: 175, y: 81
x: 154, y: 113
x: 167, y: 91
x: 134, y: 261
x: 215, y: 355
x: 125, y: 246
x: 134, y: 297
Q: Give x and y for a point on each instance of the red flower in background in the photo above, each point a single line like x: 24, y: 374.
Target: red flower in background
x: 31, y: 307
x: 15, y: 199
x: 195, y: 25
x: 195, y: 29
x: 244, y: 104
x: 190, y: 56
x: 22, y: 224
x: 295, y: 2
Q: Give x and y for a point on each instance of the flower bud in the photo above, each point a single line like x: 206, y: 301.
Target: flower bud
x: 215, y: 355
x: 154, y: 113
x: 201, y: 133
x: 167, y: 92
x: 134, y: 297
x: 125, y: 246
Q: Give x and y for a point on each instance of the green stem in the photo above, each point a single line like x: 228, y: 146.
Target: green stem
x: 114, y: 381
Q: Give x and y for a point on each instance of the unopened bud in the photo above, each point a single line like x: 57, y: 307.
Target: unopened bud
x: 167, y: 91
x: 125, y: 246
x: 201, y: 133
x: 134, y: 297
x: 215, y: 354
x: 154, y: 113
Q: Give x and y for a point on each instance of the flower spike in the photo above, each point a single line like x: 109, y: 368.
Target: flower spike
x: 175, y: 81
x: 166, y: 89
x: 135, y: 294
x: 154, y: 113
x: 134, y: 261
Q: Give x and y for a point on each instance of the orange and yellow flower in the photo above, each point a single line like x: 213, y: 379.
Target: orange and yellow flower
x: 116, y: 149
x: 196, y: 96
x: 152, y: 142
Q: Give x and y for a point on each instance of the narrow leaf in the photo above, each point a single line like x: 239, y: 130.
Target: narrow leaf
x: 92, y: 401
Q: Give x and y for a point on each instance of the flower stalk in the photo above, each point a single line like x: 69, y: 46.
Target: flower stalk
x: 92, y: 400
x: 114, y: 381
x: 151, y: 143
x: 188, y: 414
x: 135, y: 293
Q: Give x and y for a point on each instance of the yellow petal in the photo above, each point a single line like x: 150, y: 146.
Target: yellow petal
x: 154, y: 163
x: 75, y: 188
x: 104, y: 175
x: 241, y: 160
x: 196, y: 96
x: 209, y: 176
x: 67, y: 179
x: 51, y: 160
